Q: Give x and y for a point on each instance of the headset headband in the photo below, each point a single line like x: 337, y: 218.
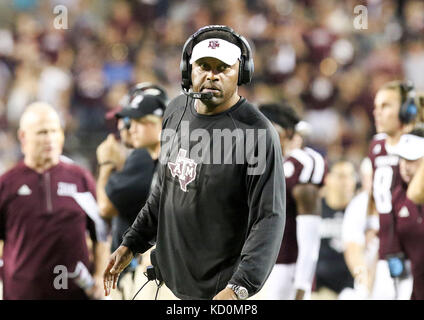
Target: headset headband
x: 408, y: 110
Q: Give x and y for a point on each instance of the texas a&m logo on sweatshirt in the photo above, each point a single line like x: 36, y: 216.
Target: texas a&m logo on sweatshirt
x: 184, y: 168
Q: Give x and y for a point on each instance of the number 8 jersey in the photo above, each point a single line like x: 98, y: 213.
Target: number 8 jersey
x: 385, y: 177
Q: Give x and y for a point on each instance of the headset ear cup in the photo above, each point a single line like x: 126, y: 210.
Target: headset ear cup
x: 402, y: 113
x: 241, y: 72
x: 247, y: 71
x: 188, y: 82
x: 185, y: 68
x: 408, y: 111
x: 248, y: 66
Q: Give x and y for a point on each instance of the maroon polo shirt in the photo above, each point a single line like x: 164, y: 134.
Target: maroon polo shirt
x: 43, y: 226
x: 302, y: 166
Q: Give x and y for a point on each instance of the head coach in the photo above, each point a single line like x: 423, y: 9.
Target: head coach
x: 218, y: 224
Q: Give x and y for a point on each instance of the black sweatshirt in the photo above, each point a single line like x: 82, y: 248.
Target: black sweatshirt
x: 217, y: 214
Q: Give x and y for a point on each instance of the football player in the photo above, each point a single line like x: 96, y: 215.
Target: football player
x: 395, y: 113
x: 304, y: 170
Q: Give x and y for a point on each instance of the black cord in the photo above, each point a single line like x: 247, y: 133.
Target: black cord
x: 140, y: 289
x: 158, y: 284
x: 157, y: 290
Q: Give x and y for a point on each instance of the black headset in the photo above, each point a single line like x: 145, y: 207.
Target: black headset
x: 246, y: 63
x: 408, y: 110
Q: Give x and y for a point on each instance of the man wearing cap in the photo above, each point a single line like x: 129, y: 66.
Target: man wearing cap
x: 408, y: 217
x: 217, y: 212
x: 124, y: 183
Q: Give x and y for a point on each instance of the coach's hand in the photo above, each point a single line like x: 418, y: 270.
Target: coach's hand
x: 110, y: 150
x: 226, y: 294
x: 118, y: 261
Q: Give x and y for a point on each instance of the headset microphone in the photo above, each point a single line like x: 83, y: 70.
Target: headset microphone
x: 199, y: 95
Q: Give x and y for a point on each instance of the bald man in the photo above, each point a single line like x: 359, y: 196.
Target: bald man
x: 46, y: 208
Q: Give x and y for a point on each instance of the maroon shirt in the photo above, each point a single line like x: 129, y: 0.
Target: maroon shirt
x: 43, y: 226
x: 301, y: 167
x: 410, y: 230
x: 385, y: 178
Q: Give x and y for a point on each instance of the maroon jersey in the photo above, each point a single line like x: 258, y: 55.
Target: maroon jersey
x: 385, y: 177
x: 410, y: 231
x: 301, y: 167
x: 43, y: 222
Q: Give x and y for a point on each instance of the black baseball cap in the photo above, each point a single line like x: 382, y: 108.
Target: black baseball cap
x: 142, y: 105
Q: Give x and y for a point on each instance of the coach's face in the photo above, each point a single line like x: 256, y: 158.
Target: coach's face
x: 213, y: 75
x: 408, y: 168
x: 42, y: 137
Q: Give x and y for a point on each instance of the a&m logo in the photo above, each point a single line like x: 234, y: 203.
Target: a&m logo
x: 184, y: 168
x: 213, y: 44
